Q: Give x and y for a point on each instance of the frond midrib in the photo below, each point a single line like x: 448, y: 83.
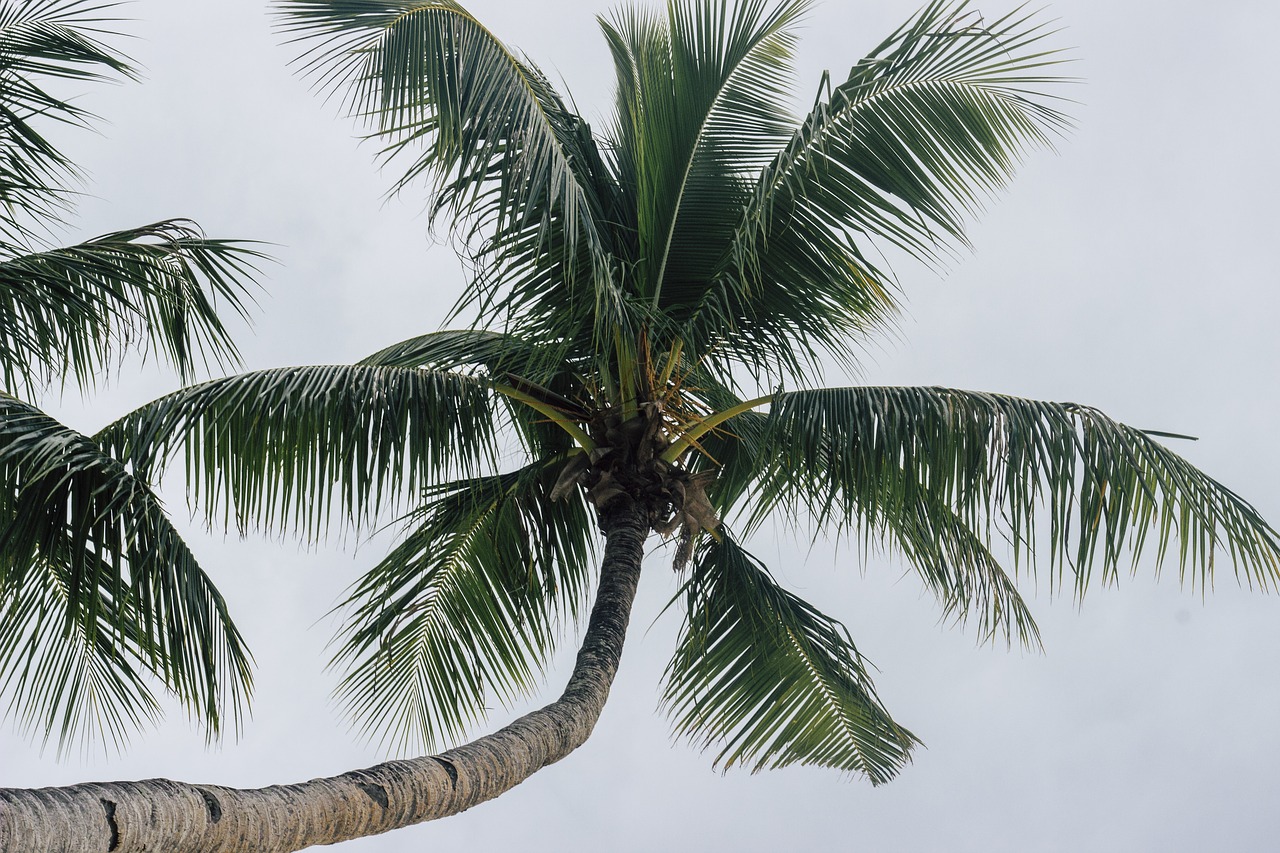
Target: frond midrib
x: 688, y: 171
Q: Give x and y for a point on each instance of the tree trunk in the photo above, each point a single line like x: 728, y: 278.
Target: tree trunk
x: 162, y: 815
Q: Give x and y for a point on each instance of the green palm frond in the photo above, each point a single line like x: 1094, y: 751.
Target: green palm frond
x: 71, y: 311
x: 958, y: 567
x: 454, y: 348
x: 931, y: 121
x: 923, y: 130
x: 771, y: 679
x: 467, y: 607
x: 902, y: 460
x: 501, y: 356
x: 77, y: 521
x: 953, y: 561
x: 280, y: 448
x: 98, y: 592
x: 42, y: 41
x: 700, y: 111
x: 499, y: 148
x: 63, y: 677
x: 536, y: 373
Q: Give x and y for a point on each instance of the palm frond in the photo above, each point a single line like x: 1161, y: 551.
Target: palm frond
x: 953, y: 561
x: 902, y: 460
x: 65, y: 677
x: 465, y: 608
x: 498, y: 355
x: 504, y: 155
x: 76, y: 521
x: 923, y: 130
x: 453, y: 348
x: 71, y: 311
x: 772, y: 679
x: 958, y: 567
x: 509, y: 361
x: 700, y: 111
x: 279, y: 448
x: 42, y: 41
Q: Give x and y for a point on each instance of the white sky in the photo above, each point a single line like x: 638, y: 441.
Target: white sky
x: 1134, y: 271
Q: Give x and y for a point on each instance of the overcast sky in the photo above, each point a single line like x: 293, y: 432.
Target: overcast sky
x: 1133, y: 270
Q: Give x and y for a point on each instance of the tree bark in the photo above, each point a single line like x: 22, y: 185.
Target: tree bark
x: 163, y: 815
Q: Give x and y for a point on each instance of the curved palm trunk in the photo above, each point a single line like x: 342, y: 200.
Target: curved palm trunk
x: 159, y: 814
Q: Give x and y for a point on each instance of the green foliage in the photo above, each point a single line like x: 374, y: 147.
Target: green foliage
x: 99, y: 595
x: 640, y: 293
x: 933, y: 118
x: 467, y: 606
x: 913, y: 461
x: 40, y: 42
x: 514, y: 168
x: 97, y: 586
x: 636, y: 289
x: 67, y: 312
x: 276, y: 449
x: 699, y: 111
x: 770, y: 679
x: 70, y: 312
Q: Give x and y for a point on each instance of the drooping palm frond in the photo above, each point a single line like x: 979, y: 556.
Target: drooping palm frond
x: 771, y: 679
x: 957, y: 565
x: 98, y: 592
x: 953, y: 561
x: 64, y: 678
x: 701, y: 100
x: 76, y: 521
x: 496, y: 143
x: 69, y: 312
x: 42, y: 41
x: 466, y: 608
x: 924, y: 128
x: 911, y: 461
x: 280, y: 448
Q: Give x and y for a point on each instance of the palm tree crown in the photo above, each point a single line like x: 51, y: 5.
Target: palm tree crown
x: 643, y: 299
x: 647, y: 308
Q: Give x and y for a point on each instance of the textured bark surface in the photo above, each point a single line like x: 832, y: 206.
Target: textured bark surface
x: 162, y: 815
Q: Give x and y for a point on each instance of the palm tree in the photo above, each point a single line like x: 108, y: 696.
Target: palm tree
x: 646, y: 296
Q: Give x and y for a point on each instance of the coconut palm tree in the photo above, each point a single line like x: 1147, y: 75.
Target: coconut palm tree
x: 649, y: 308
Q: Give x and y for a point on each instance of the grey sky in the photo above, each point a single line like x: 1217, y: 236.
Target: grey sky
x: 1135, y: 271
